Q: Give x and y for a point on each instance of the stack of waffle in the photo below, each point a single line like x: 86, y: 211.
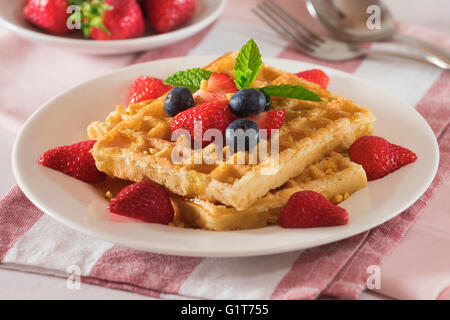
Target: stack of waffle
x: 135, y: 144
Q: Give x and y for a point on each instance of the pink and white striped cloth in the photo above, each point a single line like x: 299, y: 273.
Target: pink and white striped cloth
x: 32, y: 241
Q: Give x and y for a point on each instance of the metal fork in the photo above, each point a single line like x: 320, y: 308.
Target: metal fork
x: 321, y: 47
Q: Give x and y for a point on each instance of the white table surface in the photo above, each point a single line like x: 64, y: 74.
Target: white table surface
x: 20, y: 285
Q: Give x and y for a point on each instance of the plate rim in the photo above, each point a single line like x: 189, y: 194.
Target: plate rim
x: 101, y: 234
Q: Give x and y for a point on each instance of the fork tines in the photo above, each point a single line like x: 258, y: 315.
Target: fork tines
x: 287, y: 26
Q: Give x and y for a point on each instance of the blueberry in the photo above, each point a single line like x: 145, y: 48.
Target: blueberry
x: 268, y: 101
x: 242, y: 134
x: 247, y: 102
x: 178, y: 99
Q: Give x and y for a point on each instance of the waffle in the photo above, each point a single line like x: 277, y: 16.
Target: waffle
x: 139, y: 147
x: 335, y: 177
x: 98, y: 129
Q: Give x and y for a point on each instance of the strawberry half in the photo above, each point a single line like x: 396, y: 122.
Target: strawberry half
x: 316, y: 76
x: 167, y: 15
x: 379, y: 157
x: 307, y: 209
x: 144, y: 88
x: 146, y: 201
x: 221, y: 83
x: 269, y: 120
x: 213, y: 115
x: 74, y: 160
x: 215, y: 88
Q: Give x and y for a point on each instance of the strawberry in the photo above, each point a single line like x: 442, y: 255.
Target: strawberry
x: 221, y: 83
x: 269, y: 120
x: 379, y: 157
x: 50, y: 15
x: 307, y: 209
x: 145, y: 200
x: 144, y: 88
x: 74, y: 160
x: 316, y: 76
x: 216, y: 88
x: 202, y: 96
x: 111, y: 19
x: 166, y: 15
x: 213, y: 115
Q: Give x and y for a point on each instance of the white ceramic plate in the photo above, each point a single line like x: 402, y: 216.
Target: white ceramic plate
x: 11, y: 17
x: 63, y: 121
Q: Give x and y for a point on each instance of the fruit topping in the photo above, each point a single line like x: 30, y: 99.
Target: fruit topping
x: 316, y: 76
x: 145, y: 88
x: 177, y: 100
x: 247, y: 102
x: 242, y: 135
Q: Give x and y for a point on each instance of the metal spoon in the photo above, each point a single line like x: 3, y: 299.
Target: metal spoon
x: 349, y: 20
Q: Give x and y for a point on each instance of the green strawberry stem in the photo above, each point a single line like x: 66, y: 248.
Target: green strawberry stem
x: 90, y: 15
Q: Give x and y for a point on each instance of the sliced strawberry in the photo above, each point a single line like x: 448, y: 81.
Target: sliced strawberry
x: 269, y: 120
x: 307, y: 209
x: 202, y: 96
x: 74, y: 160
x: 216, y: 88
x: 221, y: 83
x: 146, y: 201
x: 212, y: 115
x: 316, y: 76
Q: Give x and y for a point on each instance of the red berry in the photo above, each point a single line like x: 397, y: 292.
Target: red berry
x: 379, y: 157
x: 213, y: 115
x: 166, y: 15
x: 146, y: 201
x: 144, y: 88
x: 50, y: 15
x: 74, y: 160
x: 218, y: 85
x: 307, y: 209
x: 316, y: 76
x: 124, y: 21
x: 208, y: 96
x: 221, y: 83
x: 269, y: 120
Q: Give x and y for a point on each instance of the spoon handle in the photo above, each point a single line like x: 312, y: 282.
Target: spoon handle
x: 426, y: 46
x: 427, y: 58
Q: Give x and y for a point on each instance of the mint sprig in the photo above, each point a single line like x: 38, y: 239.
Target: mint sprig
x: 246, y: 68
x: 190, y: 78
x: 290, y: 91
x: 247, y: 65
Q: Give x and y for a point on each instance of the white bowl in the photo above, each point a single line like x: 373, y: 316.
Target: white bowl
x: 11, y: 17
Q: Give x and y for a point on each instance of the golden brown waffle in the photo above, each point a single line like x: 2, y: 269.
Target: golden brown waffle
x: 139, y: 147
x: 98, y: 129
x: 335, y: 177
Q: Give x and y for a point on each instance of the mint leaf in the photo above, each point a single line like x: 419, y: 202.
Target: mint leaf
x: 290, y: 91
x: 247, y: 65
x: 190, y: 78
